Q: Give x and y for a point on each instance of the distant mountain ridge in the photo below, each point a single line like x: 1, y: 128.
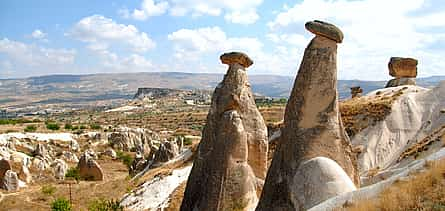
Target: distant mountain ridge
x: 96, y: 88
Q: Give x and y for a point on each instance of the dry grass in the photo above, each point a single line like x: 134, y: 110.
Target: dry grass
x: 114, y: 186
x: 423, y: 191
x: 359, y: 113
x: 424, y: 144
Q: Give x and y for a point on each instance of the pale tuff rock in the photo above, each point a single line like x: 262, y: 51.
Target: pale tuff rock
x: 233, y: 151
x: 167, y: 151
x: 130, y: 139
x: 10, y: 181
x: 24, y: 173
x: 89, y: 169
x: 324, y: 29
x: 323, y: 178
x: 41, y: 151
x: 59, y: 168
x: 69, y: 157
x: 312, y: 128
x: 110, y: 153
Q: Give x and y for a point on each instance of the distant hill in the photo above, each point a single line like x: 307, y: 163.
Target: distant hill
x: 98, y: 89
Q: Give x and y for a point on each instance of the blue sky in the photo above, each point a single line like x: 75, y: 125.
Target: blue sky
x: 81, y: 37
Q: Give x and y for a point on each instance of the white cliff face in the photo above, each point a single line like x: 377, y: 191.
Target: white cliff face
x: 414, y: 115
x: 154, y: 194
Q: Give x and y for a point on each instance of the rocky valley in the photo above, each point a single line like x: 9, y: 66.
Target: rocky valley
x: 239, y: 141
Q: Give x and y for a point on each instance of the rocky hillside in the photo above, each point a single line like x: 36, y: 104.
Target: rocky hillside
x: 104, y: 89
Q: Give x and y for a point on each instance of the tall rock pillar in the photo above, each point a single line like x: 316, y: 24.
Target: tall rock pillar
x: 314, y: 159
x: 232, y: 155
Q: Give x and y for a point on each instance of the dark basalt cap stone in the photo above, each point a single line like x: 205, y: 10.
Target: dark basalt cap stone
x: 236, y: 58
x: 325, y: 29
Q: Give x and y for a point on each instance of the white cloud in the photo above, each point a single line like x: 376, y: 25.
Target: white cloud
x: 192, y: 47
x: 247, y: 17
x: 374, y: 31
x: 38, y: 34
x: 36, y: 56
x: 100, y: 31
x: 24, y: 59
x: 111, y: 62
x: 235, y: 11
x: 150, y: 8
x: 209, y: 40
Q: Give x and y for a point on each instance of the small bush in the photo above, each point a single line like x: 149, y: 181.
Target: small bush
x: 95, y: 127
x: 52, y: 126
x: 82, y: 127
x: 105, y: 205
x: 15, y: 121
x: 61, y: 204
x: 125, y: 158
x: 30, y: 128
x: 48, y: 190
x: 68, y: 126
x: 188, y: 141
x: 75, y: 127
x: 73, y: 173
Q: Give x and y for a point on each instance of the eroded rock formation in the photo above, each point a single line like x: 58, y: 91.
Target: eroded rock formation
x: 89, y: 169
x: 10, y: 181
x: 5, y: 165
x: 404, y: 70
x: 232, y: 155
x: 312, y: 128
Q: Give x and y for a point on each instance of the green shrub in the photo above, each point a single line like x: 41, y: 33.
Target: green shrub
x: 127, y: 159
x: 95, y: 127
x: 52, y: 126
x: 48, y: 190
x: 73, y: 173
x: 188, y: 141
x: 61, y: 204
x: 16, y: 121
x: 75, y: 127
x: 68, y: 126
x: 105, y: 205
x: 83, y: 127
x: 30, y: 128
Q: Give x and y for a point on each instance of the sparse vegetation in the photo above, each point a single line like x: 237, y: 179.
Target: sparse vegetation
x: 126, y: 158
x: 68, y: 126
x: 48, y: 190
x: 17, y: 121
x: 188, y: 141
x: 73, y: 173
x: 52, y: 126
x: 359, y: 113
x: 30, y: 128
x: 104, y: 205
x: 424, y: 191
x: 61, y: 204
x: 95, y: 127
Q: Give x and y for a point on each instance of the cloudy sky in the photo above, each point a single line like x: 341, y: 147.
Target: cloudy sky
x: 91, y: 36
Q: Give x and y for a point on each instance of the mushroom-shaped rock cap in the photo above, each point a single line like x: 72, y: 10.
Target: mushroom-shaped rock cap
x: 325, y: 29
x: 236, y: 57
